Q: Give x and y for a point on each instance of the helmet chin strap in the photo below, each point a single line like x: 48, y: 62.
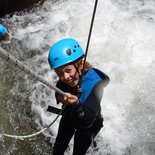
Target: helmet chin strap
x: 78, y: 89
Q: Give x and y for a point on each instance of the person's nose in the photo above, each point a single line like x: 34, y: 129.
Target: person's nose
x: 66, y: 76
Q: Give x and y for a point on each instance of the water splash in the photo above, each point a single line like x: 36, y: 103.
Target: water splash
x: 122, y: 44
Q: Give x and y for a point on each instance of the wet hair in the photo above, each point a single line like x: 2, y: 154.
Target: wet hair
x: 87, y: 65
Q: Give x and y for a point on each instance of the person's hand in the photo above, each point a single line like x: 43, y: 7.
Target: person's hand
x: 69, y: 99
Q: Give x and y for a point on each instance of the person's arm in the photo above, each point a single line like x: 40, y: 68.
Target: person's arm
x: 72, y: 99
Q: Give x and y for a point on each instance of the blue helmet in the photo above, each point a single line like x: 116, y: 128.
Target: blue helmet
x: 3, y: 30
x: 63, y: 52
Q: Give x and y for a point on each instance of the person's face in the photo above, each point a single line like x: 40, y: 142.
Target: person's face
x: 69, y: 74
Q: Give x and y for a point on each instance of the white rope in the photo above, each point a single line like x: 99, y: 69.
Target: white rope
x: 34, y: 134
x: 11, y: 59
x: 26, y: 136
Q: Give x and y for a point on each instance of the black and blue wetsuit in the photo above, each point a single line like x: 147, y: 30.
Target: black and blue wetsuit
x: 84, y: 119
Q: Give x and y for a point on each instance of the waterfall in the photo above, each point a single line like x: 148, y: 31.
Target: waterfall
x: 122, y: 45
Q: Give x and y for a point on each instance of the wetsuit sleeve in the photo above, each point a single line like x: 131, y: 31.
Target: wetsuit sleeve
x: 62, y: 87
x: 85, y: 115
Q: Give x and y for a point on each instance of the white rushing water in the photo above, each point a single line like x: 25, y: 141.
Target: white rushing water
x: 122, y: 45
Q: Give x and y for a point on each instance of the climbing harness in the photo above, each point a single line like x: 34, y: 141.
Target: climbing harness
x: 9, y: 58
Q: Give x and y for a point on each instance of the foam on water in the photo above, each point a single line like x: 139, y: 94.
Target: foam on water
x: 122, y: 44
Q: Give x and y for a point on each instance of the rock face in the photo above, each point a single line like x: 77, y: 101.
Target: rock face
x: 10, y: 6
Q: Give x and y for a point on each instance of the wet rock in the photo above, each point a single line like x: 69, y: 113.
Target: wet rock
x: 10, y: 6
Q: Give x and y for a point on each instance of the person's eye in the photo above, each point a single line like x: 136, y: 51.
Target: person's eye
x: 68, y: 70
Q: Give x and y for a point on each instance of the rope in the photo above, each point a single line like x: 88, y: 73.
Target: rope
x: 89, y: 35
x: 9, y: 58
x: 34, y: 134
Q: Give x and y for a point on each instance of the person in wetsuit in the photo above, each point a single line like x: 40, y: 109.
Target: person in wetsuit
x: 4, y: 33
x: 84, y: 86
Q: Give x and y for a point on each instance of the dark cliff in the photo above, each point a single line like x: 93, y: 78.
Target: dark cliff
x: 10, y: 6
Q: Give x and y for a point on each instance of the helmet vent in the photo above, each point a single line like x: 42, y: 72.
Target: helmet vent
x: 56, y: 59
x: 69, y: 52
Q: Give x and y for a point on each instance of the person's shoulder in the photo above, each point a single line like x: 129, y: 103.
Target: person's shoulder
x: 101, y: 73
